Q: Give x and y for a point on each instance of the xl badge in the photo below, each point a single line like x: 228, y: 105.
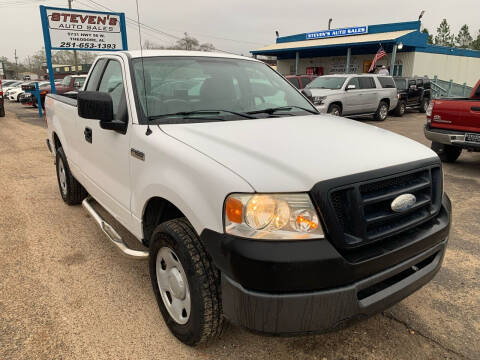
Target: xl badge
x: 403, y: 202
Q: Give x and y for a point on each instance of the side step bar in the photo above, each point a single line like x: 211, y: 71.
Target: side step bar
x: 112, y: 235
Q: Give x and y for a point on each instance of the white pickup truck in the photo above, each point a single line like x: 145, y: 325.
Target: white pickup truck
x: 253, y: 207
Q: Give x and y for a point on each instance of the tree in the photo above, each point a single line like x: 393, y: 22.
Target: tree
x: 464, y: 39
x: 430, y: 36
x: 444, y: 37
x: 185, y: 43
x: 476, y: 43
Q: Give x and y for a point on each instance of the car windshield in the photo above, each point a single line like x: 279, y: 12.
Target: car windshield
x: 66, y: 80
x: 327, y: 82
x: 401, y: 84
x: 193, y: 89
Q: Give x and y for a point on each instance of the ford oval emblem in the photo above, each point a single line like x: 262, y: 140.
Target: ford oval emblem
x: 403, y: 202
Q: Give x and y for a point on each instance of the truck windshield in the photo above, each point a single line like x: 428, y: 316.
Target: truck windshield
x: 327, y: 82
x: 196, y: 88
x: 401, y: 84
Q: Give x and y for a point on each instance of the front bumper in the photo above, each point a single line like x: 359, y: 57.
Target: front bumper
x: 323, y: 108
x: 297, y: 287
x: 449, y: 137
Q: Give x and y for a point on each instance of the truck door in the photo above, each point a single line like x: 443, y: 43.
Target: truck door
x: 413, y: 92
x: 104, y: 154
x: 353, y: 99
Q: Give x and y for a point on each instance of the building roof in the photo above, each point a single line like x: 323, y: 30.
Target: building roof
x: 367, y: 42
x: 358, y: 39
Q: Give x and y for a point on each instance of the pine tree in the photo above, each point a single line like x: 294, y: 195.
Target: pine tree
x: 430, y: 36
x: 464, y: 39
x: 476, y: 43
x: 444, y: 37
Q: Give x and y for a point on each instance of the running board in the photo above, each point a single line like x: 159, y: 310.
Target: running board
x: 112, y: 235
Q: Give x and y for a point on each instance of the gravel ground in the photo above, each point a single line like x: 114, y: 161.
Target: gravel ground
x: 65, y: 293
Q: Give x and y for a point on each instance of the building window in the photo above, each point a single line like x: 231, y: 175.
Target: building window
x: 398, y: 70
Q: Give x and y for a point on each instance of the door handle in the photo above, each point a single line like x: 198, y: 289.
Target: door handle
x: 88, y: 134
x: 475, y: 108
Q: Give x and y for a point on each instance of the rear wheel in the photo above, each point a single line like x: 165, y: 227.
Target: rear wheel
x: 186, y: 283
x: 446, y: 153
x: 400, y: 109
x: 424, y: 105
x: 335, y: 109
x: 382, y: 111
x: 71, y: 190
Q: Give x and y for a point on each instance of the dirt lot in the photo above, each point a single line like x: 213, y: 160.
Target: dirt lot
x: 65, y: 293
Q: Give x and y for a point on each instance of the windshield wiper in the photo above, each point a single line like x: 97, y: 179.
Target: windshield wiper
x: 201, y: 112
x: 270, y: 111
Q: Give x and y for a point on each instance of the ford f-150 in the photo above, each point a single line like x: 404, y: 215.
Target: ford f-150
x: 253, y: 206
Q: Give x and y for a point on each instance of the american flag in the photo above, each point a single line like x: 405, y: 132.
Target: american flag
x: 380, y: 54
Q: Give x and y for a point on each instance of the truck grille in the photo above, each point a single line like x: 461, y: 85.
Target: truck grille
x: 361, y: 213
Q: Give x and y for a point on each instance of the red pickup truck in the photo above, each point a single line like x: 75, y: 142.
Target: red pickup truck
x: 454, y: 124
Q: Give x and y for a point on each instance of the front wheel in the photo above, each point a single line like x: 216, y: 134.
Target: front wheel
x: 335, y: 110
x: 382, y: 111
x: 186, y: 283
x: 400, y: 109
x: 446, y: 153
x: 424, y: 105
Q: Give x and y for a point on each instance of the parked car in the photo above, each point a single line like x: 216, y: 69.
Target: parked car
x: 253, y: 206
x: 10, y: 86
x: 300, y: 81
x: 453, y: 124
x: 68, y: 84
x: 13, y: 94
x: 413, y: 93
x: 354, y: 95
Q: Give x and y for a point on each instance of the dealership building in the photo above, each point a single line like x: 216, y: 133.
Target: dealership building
x: 351, y: 50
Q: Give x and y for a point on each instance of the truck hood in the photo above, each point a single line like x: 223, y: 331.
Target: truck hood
x: 326, y: 92
x: 293, y: 153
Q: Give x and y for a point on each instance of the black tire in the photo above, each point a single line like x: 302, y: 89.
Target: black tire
x: 71, y: 190
x: 382, y: 111
x: 205, y: 321
x: 400, y: 109
x: 18, y: 97
x: 446, y: 153
x: 2, y: 109
x: 424, y: 105
x: 335, y: 109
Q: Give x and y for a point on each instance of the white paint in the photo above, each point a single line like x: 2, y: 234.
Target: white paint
x: 460, y: 69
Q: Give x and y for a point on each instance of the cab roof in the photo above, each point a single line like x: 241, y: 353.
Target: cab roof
x: 158, y: 53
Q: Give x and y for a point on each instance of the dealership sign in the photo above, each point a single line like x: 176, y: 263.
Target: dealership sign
x: 337, y: 32
x: 72, y: 29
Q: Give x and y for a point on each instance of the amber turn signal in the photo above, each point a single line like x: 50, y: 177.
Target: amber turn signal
x: 234, y: 210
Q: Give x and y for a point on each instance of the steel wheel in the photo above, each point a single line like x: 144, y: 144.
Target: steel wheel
x: 173, y: 285
x: 402, y: 109
x: 62, y: 176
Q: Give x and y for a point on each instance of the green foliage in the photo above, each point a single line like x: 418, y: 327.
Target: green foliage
x: 444, y: 36
x: 464, y: 39
x: 476, y: 43
x: 430, y: 36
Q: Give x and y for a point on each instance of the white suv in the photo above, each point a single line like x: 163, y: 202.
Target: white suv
x: 354, y: 95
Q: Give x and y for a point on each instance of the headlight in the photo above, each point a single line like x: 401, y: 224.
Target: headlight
x: 318, y: 100
x: 272, y: 217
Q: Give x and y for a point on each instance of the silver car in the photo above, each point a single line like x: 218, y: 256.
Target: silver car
x: 354, y: 95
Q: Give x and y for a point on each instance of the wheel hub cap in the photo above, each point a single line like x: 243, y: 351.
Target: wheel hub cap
x: 173, y: 285
x: 62, y: 177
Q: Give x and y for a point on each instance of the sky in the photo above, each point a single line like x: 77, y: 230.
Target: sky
x: 237, y: 26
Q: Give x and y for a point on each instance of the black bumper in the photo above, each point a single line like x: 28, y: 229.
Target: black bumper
x: 307, y: 286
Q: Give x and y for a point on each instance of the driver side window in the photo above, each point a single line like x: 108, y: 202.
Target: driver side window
x: 112, y: 83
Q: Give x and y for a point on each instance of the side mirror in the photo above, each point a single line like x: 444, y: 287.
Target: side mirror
x: 351, y: 87
x: 412, y: 87
x: 95, y: 105
x: 77, y: 85
x: 308, y: 93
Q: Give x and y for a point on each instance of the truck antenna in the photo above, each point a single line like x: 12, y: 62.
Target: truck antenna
x: 149, y: 131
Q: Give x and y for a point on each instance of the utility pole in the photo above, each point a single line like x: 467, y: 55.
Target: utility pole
x: 75, y: 59
x: 16, y: 64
